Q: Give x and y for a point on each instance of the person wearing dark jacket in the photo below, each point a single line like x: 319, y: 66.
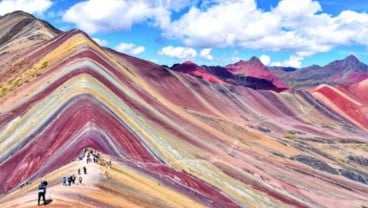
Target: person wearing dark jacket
x: 42, y: 192
x: 73, y: 178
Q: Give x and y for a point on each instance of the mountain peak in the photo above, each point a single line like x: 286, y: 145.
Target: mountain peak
x: 256, y: 69
x: 254, y: 59
x: 18, y: 13
x: 349, y: 63
x: 193, y: 69
x: 351, y: 59
x: 19, y: 24
x: 20, y: 33
x: 242, y: 66
x: 189, y: 63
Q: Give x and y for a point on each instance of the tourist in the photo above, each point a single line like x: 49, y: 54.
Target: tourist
x: 69, y: 180
x: 42, y: 192
x: 73, y: 179
x: 64, y: 181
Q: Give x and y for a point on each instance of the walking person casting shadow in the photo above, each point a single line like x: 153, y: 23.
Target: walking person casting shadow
x: 42, y: 193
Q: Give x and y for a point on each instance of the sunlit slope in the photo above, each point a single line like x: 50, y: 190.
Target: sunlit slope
x: 122, y: 187
x: 350, y: 102
x: 175, y: 140
x: 21, y: 34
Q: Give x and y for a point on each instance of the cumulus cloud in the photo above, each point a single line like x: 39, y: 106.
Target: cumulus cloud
x: 265, y: 59
x: 206, y: 54
x: 100, y: 42
x: 216, y: 26
x: 183, y: 53
x: 105, y: 15
x: 130, y: 48
x: 30, y: 6
x: 293, y: 61
x: 300, y: 27
x: 95, y: 16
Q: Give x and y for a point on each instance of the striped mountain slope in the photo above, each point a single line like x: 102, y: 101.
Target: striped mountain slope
x: 174, y: 140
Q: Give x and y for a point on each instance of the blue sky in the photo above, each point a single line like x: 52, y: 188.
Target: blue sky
x: 215, y: 32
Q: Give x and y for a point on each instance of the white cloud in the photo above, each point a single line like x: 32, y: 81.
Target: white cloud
x: 95, y: 16
x: 105, y: 15
x: 184, y: 53
x: 100, y: 42
x: 235, y: 57
x: 30, y: 6
x: 216, y: 26
x: 295, y: 9
x: 293, y: 61
x: 206, y: 54
x: 137, y: 50
x: 300, y: 27
x: 265, y: 59
x: 174, y: 4
x: 130, y: 48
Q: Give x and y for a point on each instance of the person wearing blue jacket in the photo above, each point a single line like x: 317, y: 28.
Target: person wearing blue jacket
x: 64, y: 181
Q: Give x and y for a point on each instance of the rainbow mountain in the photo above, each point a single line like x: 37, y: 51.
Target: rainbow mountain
x: 181, y: 136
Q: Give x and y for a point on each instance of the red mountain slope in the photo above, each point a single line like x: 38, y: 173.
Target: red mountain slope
x: 255, y: 68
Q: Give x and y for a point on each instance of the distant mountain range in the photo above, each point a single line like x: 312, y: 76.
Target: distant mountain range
x: 254, y: 74
x: 341, y: 72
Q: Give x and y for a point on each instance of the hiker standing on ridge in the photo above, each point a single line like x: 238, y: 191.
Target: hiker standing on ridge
x: 69, y: 181
x: 73, y: 179
x: 42, y: 192
x: 64, y: 181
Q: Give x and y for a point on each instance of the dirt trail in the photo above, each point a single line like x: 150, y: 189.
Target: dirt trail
x: 57, y: 194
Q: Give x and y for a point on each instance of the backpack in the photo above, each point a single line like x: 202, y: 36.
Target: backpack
x: 42, y: 187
